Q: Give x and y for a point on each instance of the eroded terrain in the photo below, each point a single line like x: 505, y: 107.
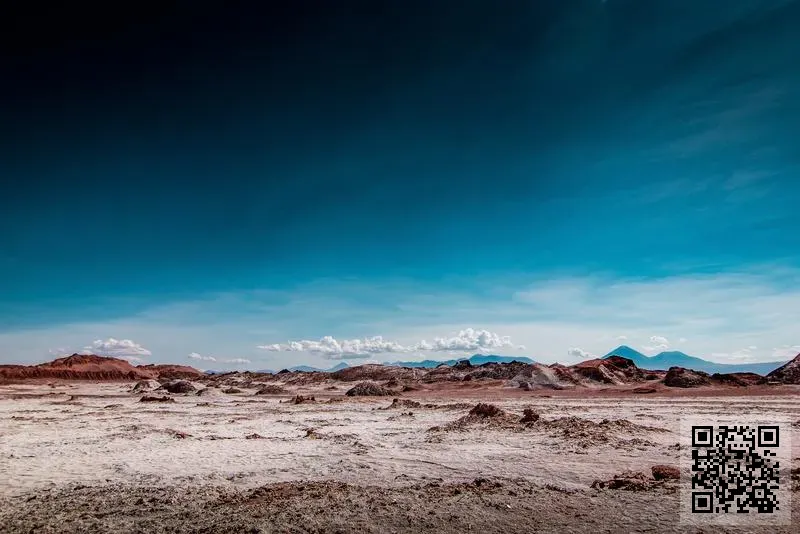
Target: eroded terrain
x: 92, y: 457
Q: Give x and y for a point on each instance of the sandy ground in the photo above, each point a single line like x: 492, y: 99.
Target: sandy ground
x: 89, y: 457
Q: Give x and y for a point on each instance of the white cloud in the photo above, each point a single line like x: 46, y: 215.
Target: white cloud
x: 753, y: 306
x: 581, y: 354
x: 196, y: 356
x: 467, y: 340
x: 118, y: 348
x: 622, y: 338
x: 334, y: 349
x: 684, y: 340
x: 785, y: 352
x: 657, y: 344
x: 236, y: 360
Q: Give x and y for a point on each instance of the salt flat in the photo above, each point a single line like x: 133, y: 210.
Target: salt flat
x: 100, y: 438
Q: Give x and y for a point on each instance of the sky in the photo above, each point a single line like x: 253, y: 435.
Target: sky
x: 378, y: 181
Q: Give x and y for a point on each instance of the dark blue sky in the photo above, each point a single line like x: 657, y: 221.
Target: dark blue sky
x: 159, y: 158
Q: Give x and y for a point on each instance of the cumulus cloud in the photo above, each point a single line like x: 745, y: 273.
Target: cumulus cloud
x: 575, y: 352
x: 622, y: 338
x: 657, y: 344
x: 467, y: 340
x: 200, y: 357
x: 334, y: 349
x: 785, y: 352
x: 119, y: 348
x: 236, y: 360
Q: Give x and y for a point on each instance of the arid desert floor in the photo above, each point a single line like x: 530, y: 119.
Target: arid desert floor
x: 90, y: 457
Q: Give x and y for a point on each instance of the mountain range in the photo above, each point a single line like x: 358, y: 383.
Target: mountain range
x: 662, y: 361
x: 476, y: 359
x: 665, y: 360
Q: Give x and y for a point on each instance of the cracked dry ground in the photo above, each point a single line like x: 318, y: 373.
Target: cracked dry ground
x: 97, y: 460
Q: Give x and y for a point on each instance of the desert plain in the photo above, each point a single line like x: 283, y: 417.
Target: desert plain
x: 302, y: 456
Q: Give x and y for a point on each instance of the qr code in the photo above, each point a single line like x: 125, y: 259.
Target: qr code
x: 737, y: 469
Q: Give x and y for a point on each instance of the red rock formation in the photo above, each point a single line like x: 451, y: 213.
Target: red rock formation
x: 76, y: 367
x: 92, y: 367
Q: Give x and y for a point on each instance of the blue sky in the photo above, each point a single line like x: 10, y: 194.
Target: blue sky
x: 566, y: 177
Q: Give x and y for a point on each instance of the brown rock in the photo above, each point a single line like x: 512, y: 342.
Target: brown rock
x: 678, y: 377
x: 363, y: 389
x: 153, y: 398
x: 179, y: 386
x: 666, y: 472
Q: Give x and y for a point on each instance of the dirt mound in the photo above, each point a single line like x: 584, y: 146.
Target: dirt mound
x: 486, y: 410
x: 172, y: 371
x: 482, y: 414
x: 300, y: 399
x: 529, y: 416
x: 179, y: 386
x: 736, y: 379
x: 77, y: 367
x: 231, y: 391
x: 678, y: 377
x: 364, y: 389
x: 585, y: 433
x: 208, y: 392
x: 398, y: 404
x: 643, y: 390
x: 787, y: 374
x: 272, y: 389
x: 153, y: 398
x: 145, y: 385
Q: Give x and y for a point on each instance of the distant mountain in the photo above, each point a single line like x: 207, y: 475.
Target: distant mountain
x: 665, y: 360
x: 476, y: 359
x: 309, y: 369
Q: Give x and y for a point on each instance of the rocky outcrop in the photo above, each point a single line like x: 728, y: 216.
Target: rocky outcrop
x: 171, y: 372
x: 369, y: 389
x: 787, y: 374
x: 678, y: 377
x: 665, y: 472
x: 179, y: 386
x: 612, y: 370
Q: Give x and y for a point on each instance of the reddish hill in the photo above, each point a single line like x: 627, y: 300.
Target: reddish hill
x: 172, y: 371
x: 76, y: 367
x: 787, y: 374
